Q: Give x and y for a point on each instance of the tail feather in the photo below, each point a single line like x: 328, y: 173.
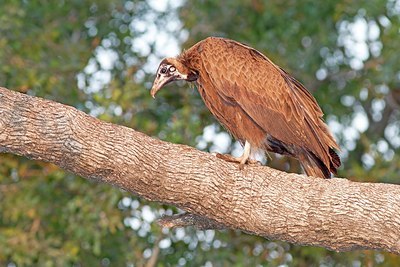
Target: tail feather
x: 313, y: 166
x: 335, y: 161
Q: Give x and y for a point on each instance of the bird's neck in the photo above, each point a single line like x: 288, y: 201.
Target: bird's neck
x: 191, y: 58
x: 190, y: 65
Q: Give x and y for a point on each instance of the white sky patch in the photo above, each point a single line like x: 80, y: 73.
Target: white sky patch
x: 165, y: 43
x: 353, y: 36
x: 373, y: 31
x: 333, y: 124
x: 348, y: 100
x: 393, y: 7
x: 97, y: 74
x: 147, y: 214
x: 98, y: 78
x: 165, y: 46
x: 321, y: 74
x: 180, y: 233
x: 165, y: 243
x: 106, y: 58
x: 358, y: 30
x: 209, y: 132
x: 91, y: 67
x: 237, y: 149
x: 140, y: 46
x: 392, y: 133
x: 382, y: 146
x: 126, y: 201
x: 378, y: 105
x: 384, y: 21
x: 220, y: 140
x: 368, y: 160
x: 360, y: 39
x: 360, y: 122
x: 135, y: 204
x: 132, y: 222
x: 363, y: 94
x: 350, y: 135
x: 162, y: 5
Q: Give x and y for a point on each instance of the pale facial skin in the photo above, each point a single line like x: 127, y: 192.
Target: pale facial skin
x: 166, y: 73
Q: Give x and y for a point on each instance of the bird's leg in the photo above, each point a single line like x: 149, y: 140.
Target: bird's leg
x: 242, y: 160
x: 245, y: 156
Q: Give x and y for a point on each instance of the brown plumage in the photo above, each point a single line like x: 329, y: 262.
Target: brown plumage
x: 258, y: 102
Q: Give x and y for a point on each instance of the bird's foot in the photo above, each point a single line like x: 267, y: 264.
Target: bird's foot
x: 243, y: 159
x: 240, y: 160
x: 254, y: 162
x: 228, y: 157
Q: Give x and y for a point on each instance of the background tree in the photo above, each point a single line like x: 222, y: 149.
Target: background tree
x: 345, y: 53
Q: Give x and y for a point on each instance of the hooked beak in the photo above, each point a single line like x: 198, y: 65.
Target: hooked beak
x: 159, y: 82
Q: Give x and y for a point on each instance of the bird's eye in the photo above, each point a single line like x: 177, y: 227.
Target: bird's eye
x: 172, y: 69
x: 163, y: 70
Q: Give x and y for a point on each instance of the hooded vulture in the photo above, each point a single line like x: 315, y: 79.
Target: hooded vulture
x: 258, y: 102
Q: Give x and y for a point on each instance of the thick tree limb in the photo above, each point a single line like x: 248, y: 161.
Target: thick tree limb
x: 336, y: 214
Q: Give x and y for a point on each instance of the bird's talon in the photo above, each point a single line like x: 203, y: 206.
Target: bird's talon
x: 239, y: 160
x: 227, y: 157
x: 254, y: 162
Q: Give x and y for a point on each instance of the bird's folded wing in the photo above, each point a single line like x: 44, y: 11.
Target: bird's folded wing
x: 272, y: 98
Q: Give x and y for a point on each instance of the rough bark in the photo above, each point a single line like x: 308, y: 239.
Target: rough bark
x: 335, y: 213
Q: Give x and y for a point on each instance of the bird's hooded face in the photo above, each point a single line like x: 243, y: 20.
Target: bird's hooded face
x: 170, y: 70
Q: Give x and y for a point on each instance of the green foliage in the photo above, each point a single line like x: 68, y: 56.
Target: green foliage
x: 54, y: 49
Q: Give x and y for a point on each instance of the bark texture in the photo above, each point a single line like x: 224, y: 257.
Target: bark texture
x: 333, y: 213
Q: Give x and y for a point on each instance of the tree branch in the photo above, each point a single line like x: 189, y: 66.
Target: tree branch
x: 336, y: 213
x: 188, y: 219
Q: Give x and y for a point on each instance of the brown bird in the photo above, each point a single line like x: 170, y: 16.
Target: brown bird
x: 258, y: 102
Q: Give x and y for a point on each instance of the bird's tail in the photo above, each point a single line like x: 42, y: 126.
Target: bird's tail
x: 313, y: 166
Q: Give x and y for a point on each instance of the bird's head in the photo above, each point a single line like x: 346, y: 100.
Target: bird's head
x: 171, y: 69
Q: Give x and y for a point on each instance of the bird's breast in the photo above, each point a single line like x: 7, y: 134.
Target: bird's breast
x: 231, y: 115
